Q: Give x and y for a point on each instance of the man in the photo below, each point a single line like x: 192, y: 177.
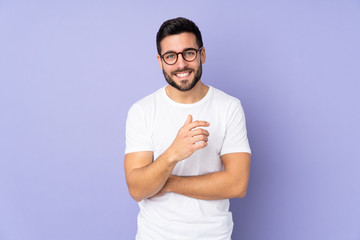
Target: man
x: 187, y: 150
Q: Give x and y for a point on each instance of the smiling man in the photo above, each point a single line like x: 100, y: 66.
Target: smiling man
x: 187, y: 150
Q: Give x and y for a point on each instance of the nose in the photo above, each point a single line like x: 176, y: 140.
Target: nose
x: 181, y: 61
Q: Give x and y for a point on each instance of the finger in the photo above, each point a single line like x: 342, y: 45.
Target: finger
x: 188, y: 120
x: 199, y: 145
x: 199, y: 138
x: 198, y: 124
x: 198, y: 131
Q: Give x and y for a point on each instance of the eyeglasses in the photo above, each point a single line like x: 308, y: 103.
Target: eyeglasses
x: 188, y: 55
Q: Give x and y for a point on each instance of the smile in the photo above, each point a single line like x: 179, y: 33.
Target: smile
x: 184, y: 74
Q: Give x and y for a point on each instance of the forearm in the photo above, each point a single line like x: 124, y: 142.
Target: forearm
x: 212, y: 186
x: 144, y: 182
x: 146, y: 178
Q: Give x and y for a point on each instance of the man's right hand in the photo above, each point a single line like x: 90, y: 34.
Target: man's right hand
x: 188, y: 140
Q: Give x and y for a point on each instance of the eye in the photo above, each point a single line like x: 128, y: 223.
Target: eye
x: 190, y: 53
x: 170, y: 56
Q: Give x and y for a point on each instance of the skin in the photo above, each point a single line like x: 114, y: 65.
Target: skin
x: 178, y: 43
x: 147, y: 178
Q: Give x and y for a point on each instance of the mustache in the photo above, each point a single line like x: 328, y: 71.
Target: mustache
x: 182, y: 70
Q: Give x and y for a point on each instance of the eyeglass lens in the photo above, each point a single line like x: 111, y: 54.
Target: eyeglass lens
x: 188, y: 55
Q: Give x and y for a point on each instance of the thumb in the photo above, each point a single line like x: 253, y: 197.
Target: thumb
x: 188, y: 120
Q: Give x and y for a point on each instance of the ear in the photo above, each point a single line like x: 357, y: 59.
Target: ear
x: 203, y: 55
x: 159, y: 60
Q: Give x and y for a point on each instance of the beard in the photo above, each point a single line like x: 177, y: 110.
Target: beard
x: 184, y: 85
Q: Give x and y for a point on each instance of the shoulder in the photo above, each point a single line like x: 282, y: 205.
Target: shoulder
x: 147, y: 103
x: 229, y: 106
x: 223, y: 98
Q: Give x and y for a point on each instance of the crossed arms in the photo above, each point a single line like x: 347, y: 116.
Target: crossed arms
x: 147, y: 178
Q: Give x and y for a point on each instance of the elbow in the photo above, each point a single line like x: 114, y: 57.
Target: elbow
x: 135, y: 195
x: 135, y: 192
x: 136, y: 198
x: 239, y: 192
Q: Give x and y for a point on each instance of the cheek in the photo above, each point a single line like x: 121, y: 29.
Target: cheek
x: 168, y: 70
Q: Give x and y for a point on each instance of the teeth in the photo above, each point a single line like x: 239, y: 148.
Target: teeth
x: 182, y: 74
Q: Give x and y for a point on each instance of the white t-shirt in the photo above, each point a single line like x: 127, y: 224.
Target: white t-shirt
x: 152, y: 125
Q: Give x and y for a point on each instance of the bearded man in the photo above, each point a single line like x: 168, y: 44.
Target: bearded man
x: 187, y: 150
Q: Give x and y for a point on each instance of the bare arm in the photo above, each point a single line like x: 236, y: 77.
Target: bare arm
x: 232, y: 182
x: 146, y: 177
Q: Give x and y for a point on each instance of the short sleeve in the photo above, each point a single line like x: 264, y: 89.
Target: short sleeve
x: 236, y: 135
x: 138, y: 134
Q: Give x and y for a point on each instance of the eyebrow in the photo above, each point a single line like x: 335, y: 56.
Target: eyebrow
x: 171, y: 51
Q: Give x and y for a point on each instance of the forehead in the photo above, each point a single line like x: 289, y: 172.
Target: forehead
x: 178, y: 42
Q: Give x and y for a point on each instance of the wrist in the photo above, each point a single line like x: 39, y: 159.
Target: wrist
x: 171, y: 156
x: 169, y: 186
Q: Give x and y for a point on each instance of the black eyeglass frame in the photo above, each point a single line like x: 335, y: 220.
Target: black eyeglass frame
x: 182, y: 54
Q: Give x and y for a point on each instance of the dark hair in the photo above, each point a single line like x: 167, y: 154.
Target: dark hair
x: 177, y: 26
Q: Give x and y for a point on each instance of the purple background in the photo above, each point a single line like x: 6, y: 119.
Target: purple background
x: 70, y: 70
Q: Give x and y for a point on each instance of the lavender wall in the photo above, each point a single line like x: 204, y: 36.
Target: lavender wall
x: 70, y: 70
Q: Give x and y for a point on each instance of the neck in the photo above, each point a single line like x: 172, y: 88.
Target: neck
x: 192, y: 96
